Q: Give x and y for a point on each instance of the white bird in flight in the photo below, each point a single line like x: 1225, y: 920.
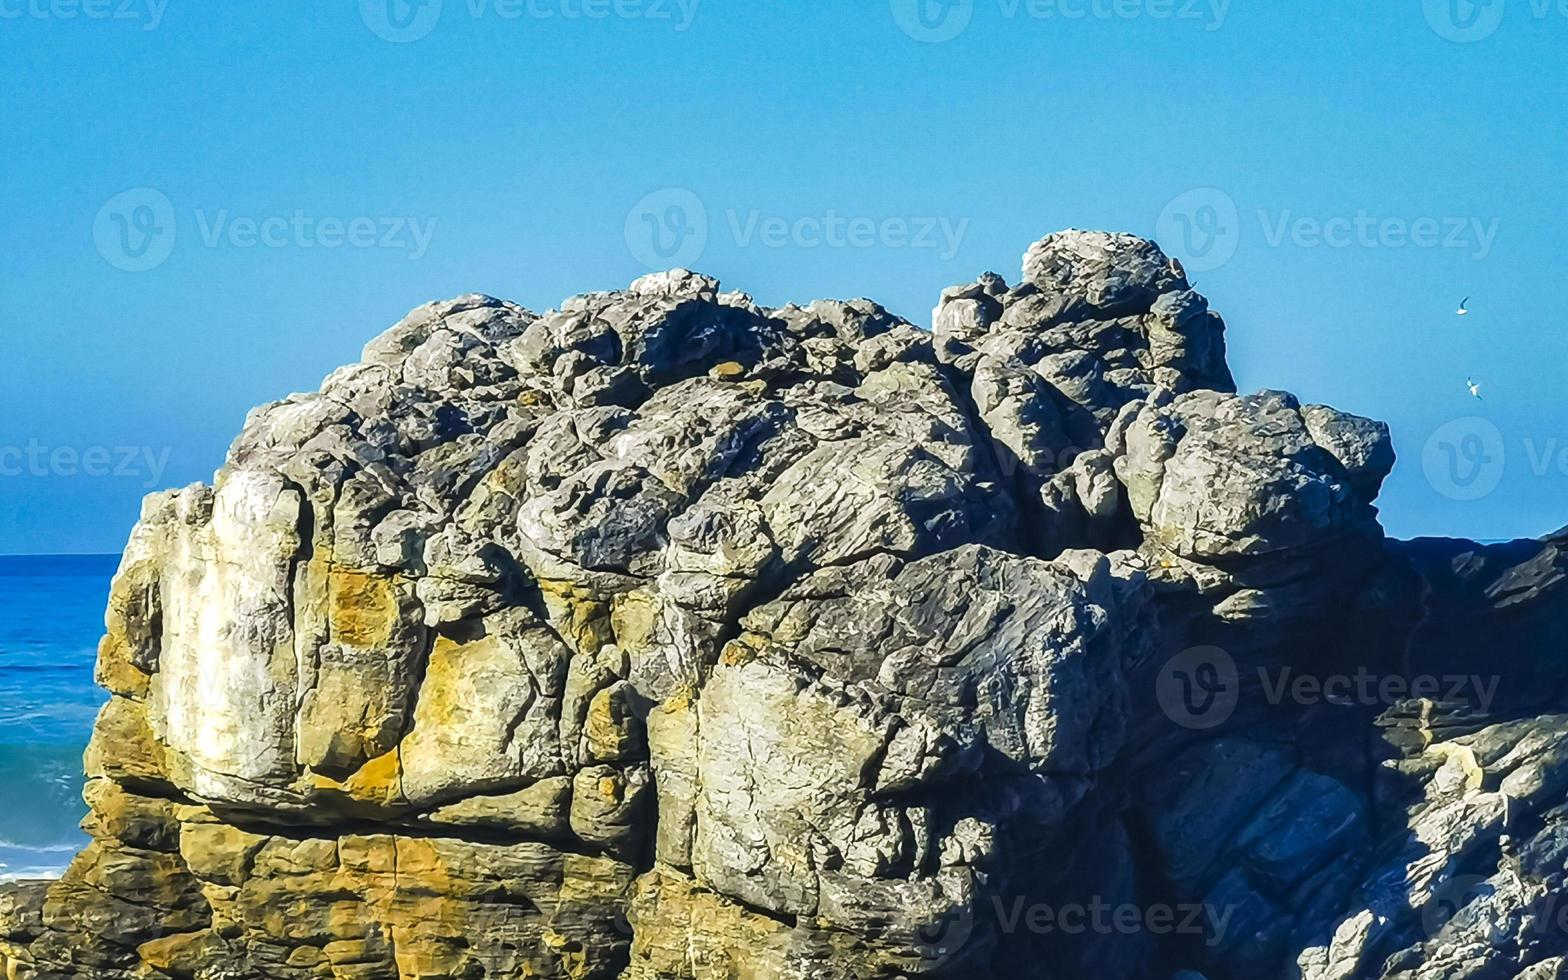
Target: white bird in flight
x: 1475, y: 388
x: 1464, y: 308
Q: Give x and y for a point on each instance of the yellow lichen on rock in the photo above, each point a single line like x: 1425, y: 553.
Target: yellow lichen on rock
x: 362, y: 608
x: 378, y: 783
x: 578, y: 614
x: 684, y: 932
x: 180, y: 955
x: 116, y: 670
x: 123, y: 746
x: 634, y: 617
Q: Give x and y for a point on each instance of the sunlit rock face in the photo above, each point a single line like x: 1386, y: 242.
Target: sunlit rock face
x: 667, y: 635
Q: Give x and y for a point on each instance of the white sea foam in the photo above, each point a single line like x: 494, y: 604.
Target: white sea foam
x: 31, y: 874
x: 21, y: 862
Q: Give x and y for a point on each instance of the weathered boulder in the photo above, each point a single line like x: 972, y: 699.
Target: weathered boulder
x: 1104, y: 319
x: 1255, y: 501
x: 665, y: 635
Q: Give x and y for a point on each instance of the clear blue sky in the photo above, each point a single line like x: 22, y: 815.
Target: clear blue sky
x: 532, y: 133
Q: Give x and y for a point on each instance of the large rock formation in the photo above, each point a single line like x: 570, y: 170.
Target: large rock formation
x: 669, y: 636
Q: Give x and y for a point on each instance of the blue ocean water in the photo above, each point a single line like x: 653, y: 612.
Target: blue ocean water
x: 51, y: 616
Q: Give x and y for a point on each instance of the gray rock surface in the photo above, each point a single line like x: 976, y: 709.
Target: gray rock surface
x: 665, y: 635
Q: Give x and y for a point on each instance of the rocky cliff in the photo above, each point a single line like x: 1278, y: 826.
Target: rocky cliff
x: 666, y: 635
